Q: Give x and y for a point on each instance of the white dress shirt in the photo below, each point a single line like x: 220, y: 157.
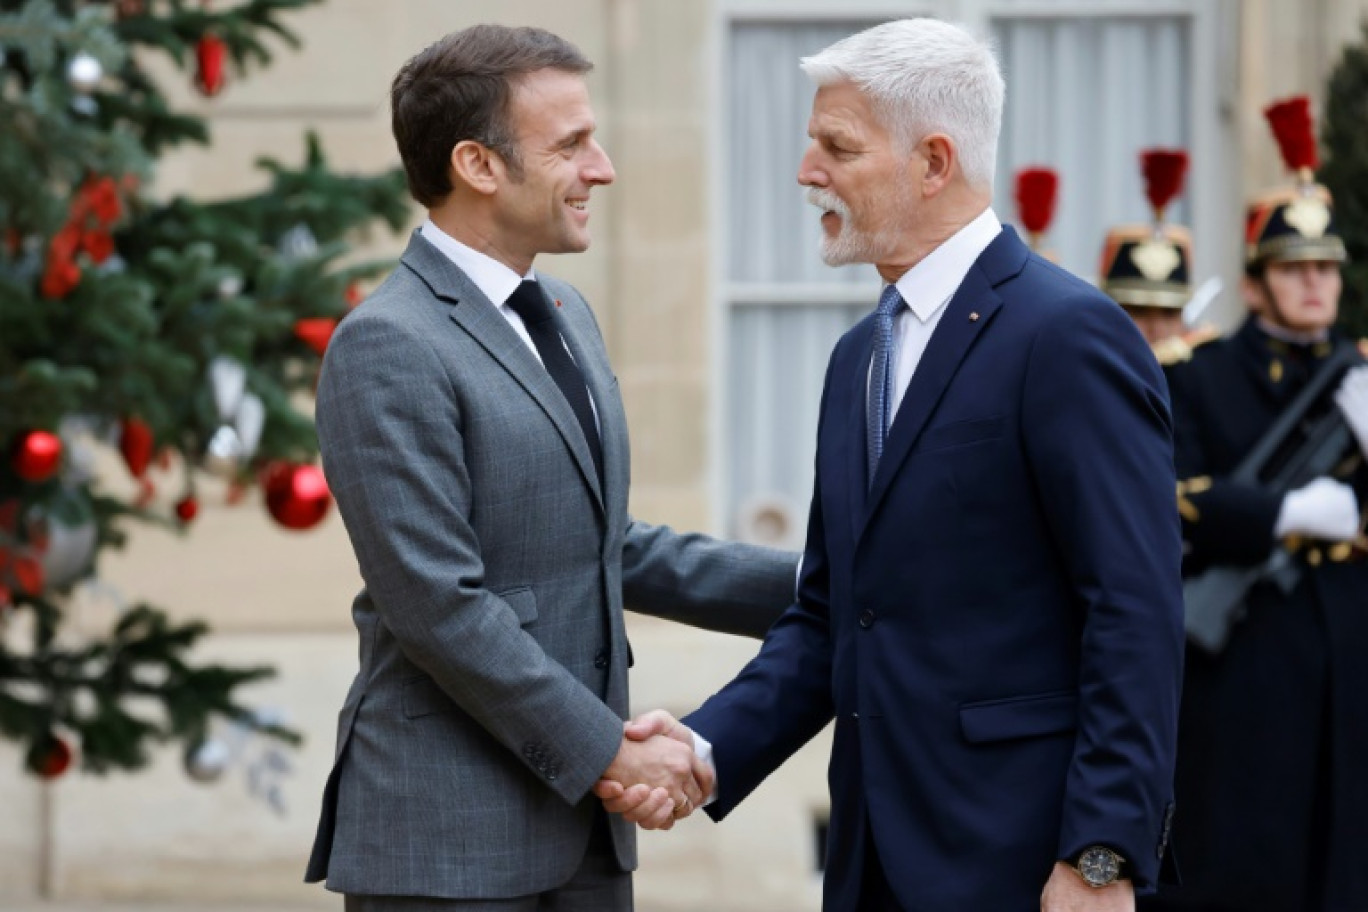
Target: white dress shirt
x: 927, y: 288
x: 493, y: 278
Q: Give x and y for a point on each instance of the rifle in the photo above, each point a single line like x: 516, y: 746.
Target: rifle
x: 1214, y: 600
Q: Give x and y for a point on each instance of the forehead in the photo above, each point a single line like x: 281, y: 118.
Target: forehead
x: 549, y: 103
x: 842, y: 107
x: 1294, y: 267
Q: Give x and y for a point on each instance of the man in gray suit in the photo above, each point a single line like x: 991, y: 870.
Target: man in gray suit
x: 474, y: 438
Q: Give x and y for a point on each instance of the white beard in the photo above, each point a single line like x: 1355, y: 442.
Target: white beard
x: 850, y: 245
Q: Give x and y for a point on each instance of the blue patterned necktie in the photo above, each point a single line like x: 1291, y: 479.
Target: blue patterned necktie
x: 880, y: 398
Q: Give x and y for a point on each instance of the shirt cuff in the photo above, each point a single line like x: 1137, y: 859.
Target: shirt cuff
x: 703, y: 749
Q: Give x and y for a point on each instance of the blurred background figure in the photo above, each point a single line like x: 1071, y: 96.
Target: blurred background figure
x: 1271, y: 428
x: 1147, y: 269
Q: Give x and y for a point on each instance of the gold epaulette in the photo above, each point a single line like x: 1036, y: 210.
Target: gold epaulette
x: 1177, y: 349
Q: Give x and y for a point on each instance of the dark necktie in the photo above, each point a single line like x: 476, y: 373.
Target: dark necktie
x: 880, y: 398
x: 537, y: 315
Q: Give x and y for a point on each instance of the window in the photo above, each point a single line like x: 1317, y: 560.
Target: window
x: 785, y: 308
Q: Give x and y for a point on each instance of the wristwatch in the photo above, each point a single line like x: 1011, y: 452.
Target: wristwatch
x: 1099, y: 866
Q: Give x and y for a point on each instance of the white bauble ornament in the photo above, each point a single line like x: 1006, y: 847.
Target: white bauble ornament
x: 84, y: 73
x: 206, y: 760
x: 224, y: 456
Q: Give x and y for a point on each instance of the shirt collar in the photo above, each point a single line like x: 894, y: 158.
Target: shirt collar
x: 493, y: 278
x: 927, y: 286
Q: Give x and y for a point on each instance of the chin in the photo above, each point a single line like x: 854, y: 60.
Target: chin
x: 846, y: 250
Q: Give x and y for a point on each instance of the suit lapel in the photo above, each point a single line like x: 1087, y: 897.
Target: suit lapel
x: 852, y: 401
x: 481, y: 320
x: 967, y: 315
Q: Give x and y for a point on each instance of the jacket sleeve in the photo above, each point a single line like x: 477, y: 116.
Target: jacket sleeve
x: 1099, y: 441
x: 389, y: 427
x: 1224, y: 522
x: 782, y: 698
x: 716, y: 585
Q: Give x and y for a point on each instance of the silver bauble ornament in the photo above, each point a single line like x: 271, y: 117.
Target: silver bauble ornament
x: 230, y: 286
x: 224, y: 456
x: 84, y: 73
x: 85, y: 106
x: 206, y: 760
x: 251, y: 419
x: 298, y: 243
x: 70, y: 552
x: 227, y: 381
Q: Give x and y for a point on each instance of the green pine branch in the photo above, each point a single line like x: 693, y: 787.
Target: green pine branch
x: 1345, y: 172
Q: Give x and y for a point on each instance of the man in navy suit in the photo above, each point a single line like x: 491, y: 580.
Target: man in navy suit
x: 990, y: 605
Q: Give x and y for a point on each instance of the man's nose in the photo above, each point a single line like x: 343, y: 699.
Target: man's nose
x: 599, y: 169
x: 809, y: 175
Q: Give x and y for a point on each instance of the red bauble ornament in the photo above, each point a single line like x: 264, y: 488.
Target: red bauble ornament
x: 354, y: 295
x: 315, y: 332
x: 98, y: 245
x: 60, y: 279
x: 37, y: 456
x: 136, y: 444
x: 209, y: 54
x: 187, y: 508
x: 50, y: 757
x: 100, y: 197
x: 297, y: 496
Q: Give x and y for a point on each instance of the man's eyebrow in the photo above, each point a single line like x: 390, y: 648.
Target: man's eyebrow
x: 573, y: 136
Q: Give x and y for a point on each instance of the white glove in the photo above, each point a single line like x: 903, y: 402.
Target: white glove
x: 1352, y: 399
x: 1323, y: 509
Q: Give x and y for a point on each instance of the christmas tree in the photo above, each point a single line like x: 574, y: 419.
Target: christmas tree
x: 182, y: 332
x: 1345, y: 173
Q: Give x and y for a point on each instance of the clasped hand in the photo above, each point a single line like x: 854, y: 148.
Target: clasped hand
x: 656, y: 777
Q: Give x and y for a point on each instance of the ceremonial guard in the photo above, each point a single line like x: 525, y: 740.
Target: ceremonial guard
x: 1271, y: 428
x: 1147, y: 268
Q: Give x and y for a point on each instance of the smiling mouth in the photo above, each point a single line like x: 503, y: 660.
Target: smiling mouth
x: 578, y: 205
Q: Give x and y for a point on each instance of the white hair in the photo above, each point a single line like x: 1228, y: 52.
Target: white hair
x: 925, y: 76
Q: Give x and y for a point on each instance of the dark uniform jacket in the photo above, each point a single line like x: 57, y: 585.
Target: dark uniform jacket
x: 1272, y: 783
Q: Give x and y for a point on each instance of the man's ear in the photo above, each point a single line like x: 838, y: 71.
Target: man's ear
x: 941, y: 162
x: 473, y: 165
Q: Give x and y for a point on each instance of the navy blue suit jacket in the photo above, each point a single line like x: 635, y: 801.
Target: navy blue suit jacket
x: 995, y: 625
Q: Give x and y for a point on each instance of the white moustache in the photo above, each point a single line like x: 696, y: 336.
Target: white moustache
x: 827, y: 201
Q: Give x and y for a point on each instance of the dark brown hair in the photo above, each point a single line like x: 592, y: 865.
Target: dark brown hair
x: 460, y: 88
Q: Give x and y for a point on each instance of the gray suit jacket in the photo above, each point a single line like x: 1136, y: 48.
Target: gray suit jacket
x: 493, y: 658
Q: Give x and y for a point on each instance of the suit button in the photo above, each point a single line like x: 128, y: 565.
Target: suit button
x: 855, y: 717
x: 866, y: 619
x: 601, y: 659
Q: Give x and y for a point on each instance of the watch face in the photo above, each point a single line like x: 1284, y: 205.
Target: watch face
x: 1099, y: 866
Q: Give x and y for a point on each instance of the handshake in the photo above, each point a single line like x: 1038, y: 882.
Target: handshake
x: 656, y: 778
